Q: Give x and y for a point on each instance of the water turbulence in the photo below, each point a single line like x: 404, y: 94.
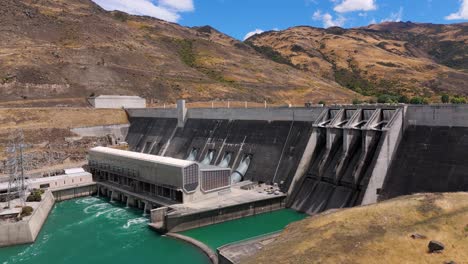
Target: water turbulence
x: 91, y: 230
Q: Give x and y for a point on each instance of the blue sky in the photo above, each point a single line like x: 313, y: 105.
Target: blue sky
x: 238, y: 18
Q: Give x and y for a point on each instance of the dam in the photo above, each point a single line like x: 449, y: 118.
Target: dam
x: 308, y: 159
x: 206, y: 173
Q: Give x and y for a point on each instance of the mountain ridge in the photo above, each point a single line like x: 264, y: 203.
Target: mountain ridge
x: 402, y: 58
x: 74, y: 48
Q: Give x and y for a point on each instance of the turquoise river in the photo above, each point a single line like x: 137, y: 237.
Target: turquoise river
x: 92, y: 230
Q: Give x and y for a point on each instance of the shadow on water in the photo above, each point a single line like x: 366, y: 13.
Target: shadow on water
x: 92, y: 230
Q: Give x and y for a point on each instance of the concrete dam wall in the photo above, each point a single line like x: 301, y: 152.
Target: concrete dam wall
x: 275, y: 147
x: 322, y: 158
x: 433, y: 154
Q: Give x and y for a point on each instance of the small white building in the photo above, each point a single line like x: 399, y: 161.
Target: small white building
x: 117, y: 101
x: 54, y: 182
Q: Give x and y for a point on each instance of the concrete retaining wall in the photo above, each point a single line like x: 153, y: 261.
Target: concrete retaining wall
x: 26, y: 231
x: 119, y: 131
x: 74, y: 192
x: 180, y: 223
x: 153, y: 112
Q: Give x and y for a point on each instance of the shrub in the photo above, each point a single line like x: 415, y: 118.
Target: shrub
x: 458, y: 100
x: 356, y: 101
x: 418, y: 100
x: 26, y: 211
x: 297, y: 48
x: 388, y: 64
x: 35, y: 196
x: 322, y: 102
x: 270, y: 53
x: 335, y: 30
x: 388, y: 99
x: 186, y: 51
x: 403, y: 99
x: 382, y: 44
x: 353, y: 80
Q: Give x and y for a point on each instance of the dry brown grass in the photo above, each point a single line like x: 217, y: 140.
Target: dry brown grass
x: 378, y: 233
x: 35, y: 118
x: 45, y: 131
x: 378, y: 60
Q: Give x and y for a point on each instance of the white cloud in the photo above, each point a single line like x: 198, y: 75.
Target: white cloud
x: 165, y: 9
x: 373, y: 22
x: 394, y: 17
x: 251, y: 33
x: 355, y: 5
x: 178, y: 5
x: 462, y: 12
x: 328, y: 20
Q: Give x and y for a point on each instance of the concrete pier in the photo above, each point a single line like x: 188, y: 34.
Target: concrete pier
x: 180, y: 220
x: 26, y: 230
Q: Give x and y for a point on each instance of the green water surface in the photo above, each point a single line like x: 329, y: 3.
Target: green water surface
x: 221, y: 234
x: 92, y: 230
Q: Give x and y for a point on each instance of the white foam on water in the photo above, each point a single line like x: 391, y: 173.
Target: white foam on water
x: 135, y: 221
x: 96, y: 207
x: 87, y: 200
x: 117, y: 214
x: 105, y: 212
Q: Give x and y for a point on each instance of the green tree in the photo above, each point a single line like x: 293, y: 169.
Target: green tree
x: 445, y: 98
x: 403, y: 99
x: 417, y: 100
x: 388, y: 99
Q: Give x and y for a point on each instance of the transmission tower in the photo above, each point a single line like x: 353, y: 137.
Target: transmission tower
x: 15, y: 168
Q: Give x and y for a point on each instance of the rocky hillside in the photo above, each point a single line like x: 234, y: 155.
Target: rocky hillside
x: 73, y: 48
x: 47, y: 135
x: 394, y: 231
x: 390, y: 58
